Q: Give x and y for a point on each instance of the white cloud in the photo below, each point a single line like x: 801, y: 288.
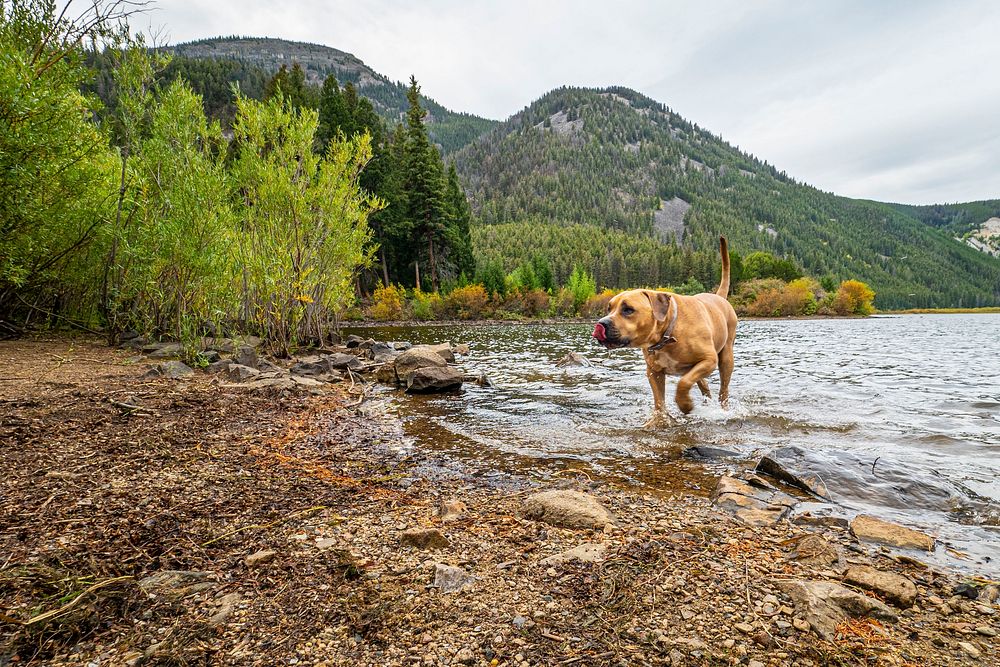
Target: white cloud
x: 892, y: 100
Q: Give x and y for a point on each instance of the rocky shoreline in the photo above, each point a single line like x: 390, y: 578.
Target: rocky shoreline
x: 251, y: 518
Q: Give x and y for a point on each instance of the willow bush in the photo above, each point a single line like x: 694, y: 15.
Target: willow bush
x: 302, y: 231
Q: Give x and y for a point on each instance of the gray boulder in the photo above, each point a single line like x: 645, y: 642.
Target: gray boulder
x: 825, y: 605
x: 756, y: 504
x: 241, y: 373
x: 893, y: 587
x: 443, y: 350
x: 872, y: 529
x: 163, y: 350
x: 433, y: 379
x: 170, y: 369
x: 246, y: 355
x: 424, y: 538
x: 311, y: 366
x: 568, y: 509
x: 340, y: 361
x: 417, y: 357
x: 353, y: 341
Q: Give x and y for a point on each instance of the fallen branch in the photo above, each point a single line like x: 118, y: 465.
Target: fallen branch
x: 293, y: 515
x: 49, y: 615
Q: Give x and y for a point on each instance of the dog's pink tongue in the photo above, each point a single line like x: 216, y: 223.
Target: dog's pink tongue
x: 599, y: 332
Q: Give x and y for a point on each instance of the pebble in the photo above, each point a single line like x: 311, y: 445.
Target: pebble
x: 745, y: 628
x: 970, y: 649
x: 986, y: 631
x: 800, y: 624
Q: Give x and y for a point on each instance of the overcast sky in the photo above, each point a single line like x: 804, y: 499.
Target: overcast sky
x: 892, y: 100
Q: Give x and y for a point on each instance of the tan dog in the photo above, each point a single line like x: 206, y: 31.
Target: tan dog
x: 689, y: 336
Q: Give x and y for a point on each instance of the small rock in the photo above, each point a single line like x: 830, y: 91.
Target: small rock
x: 807, y: 519
x: 462, y: 348
x: 789, y: 465
x: 313, y: 366
x: 815, y: 550
x: 218, y: 366
x: 519, y: 621
x: 210, y: 356
x: 241, y: 373
x: 176, y: 584
x: 588, y: 552
x: 424, y: 538
x: 970, y: 648
x: 869, y: 528
x: 451, y: 510
x: 986, y: 631
x: 894, y: 587
x: 800, y: 624
x: 226, y: 607
x: 569, y: 509
x: 246, y: 355
x: 745, y: 628
x: 353, y: 341
x: 450, y: 579
x: 260, y: 557
x: 573, y: 359
x: 687, y: 614
x: 324, y: 543
x: 174, y: 369
x: 163, y: 350
x: 340, y: 361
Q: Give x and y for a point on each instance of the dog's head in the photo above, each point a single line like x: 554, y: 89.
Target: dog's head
x: 634, y: 319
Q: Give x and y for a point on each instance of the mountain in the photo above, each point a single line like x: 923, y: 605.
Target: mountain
x: 450, y: 129
x: 617, y: 160
x: 976, y: 223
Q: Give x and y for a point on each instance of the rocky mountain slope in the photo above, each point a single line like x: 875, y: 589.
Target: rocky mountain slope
x: 618, y: 160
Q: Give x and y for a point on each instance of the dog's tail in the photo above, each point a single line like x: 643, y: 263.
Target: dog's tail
x: 723, y: 290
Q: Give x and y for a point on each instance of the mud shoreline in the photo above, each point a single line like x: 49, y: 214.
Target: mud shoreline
x: 159, y: 521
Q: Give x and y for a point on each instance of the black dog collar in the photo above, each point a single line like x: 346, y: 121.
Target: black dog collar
x: 667, y: 337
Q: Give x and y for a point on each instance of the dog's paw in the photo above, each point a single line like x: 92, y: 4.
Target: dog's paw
x: 658, y: 420
x: 685, y: 404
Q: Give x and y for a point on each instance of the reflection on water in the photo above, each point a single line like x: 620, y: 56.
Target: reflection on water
x: 918, y: 396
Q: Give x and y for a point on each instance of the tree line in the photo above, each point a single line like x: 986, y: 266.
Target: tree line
x: 143, y: 214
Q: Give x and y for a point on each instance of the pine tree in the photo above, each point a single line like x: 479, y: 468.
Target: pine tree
x: 423, y: 181
x: 459, y: 238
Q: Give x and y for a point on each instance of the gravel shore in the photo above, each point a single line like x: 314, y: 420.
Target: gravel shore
x: 208, y: 523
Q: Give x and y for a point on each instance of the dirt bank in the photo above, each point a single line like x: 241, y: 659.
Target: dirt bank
x: 193, y: 522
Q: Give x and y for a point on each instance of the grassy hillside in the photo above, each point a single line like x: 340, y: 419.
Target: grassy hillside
x: 450, y: 129
x: 615, y: 159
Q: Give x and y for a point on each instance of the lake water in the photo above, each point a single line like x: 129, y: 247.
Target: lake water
x: 899, y: 415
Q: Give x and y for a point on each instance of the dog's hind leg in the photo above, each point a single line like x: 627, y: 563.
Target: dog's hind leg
x: 703, y: 386
x: 697, y: 372
x: 725, y: 372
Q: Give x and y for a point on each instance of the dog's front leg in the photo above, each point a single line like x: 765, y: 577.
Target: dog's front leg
x: 698, y: 372
x: 657, y: 382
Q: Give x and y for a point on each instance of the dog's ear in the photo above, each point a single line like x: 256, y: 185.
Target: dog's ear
x: 660, y: 303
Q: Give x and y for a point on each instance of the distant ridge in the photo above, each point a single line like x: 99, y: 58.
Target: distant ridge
x: 450, y: 129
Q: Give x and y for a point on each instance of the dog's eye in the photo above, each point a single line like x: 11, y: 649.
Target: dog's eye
x: 627, y: 310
